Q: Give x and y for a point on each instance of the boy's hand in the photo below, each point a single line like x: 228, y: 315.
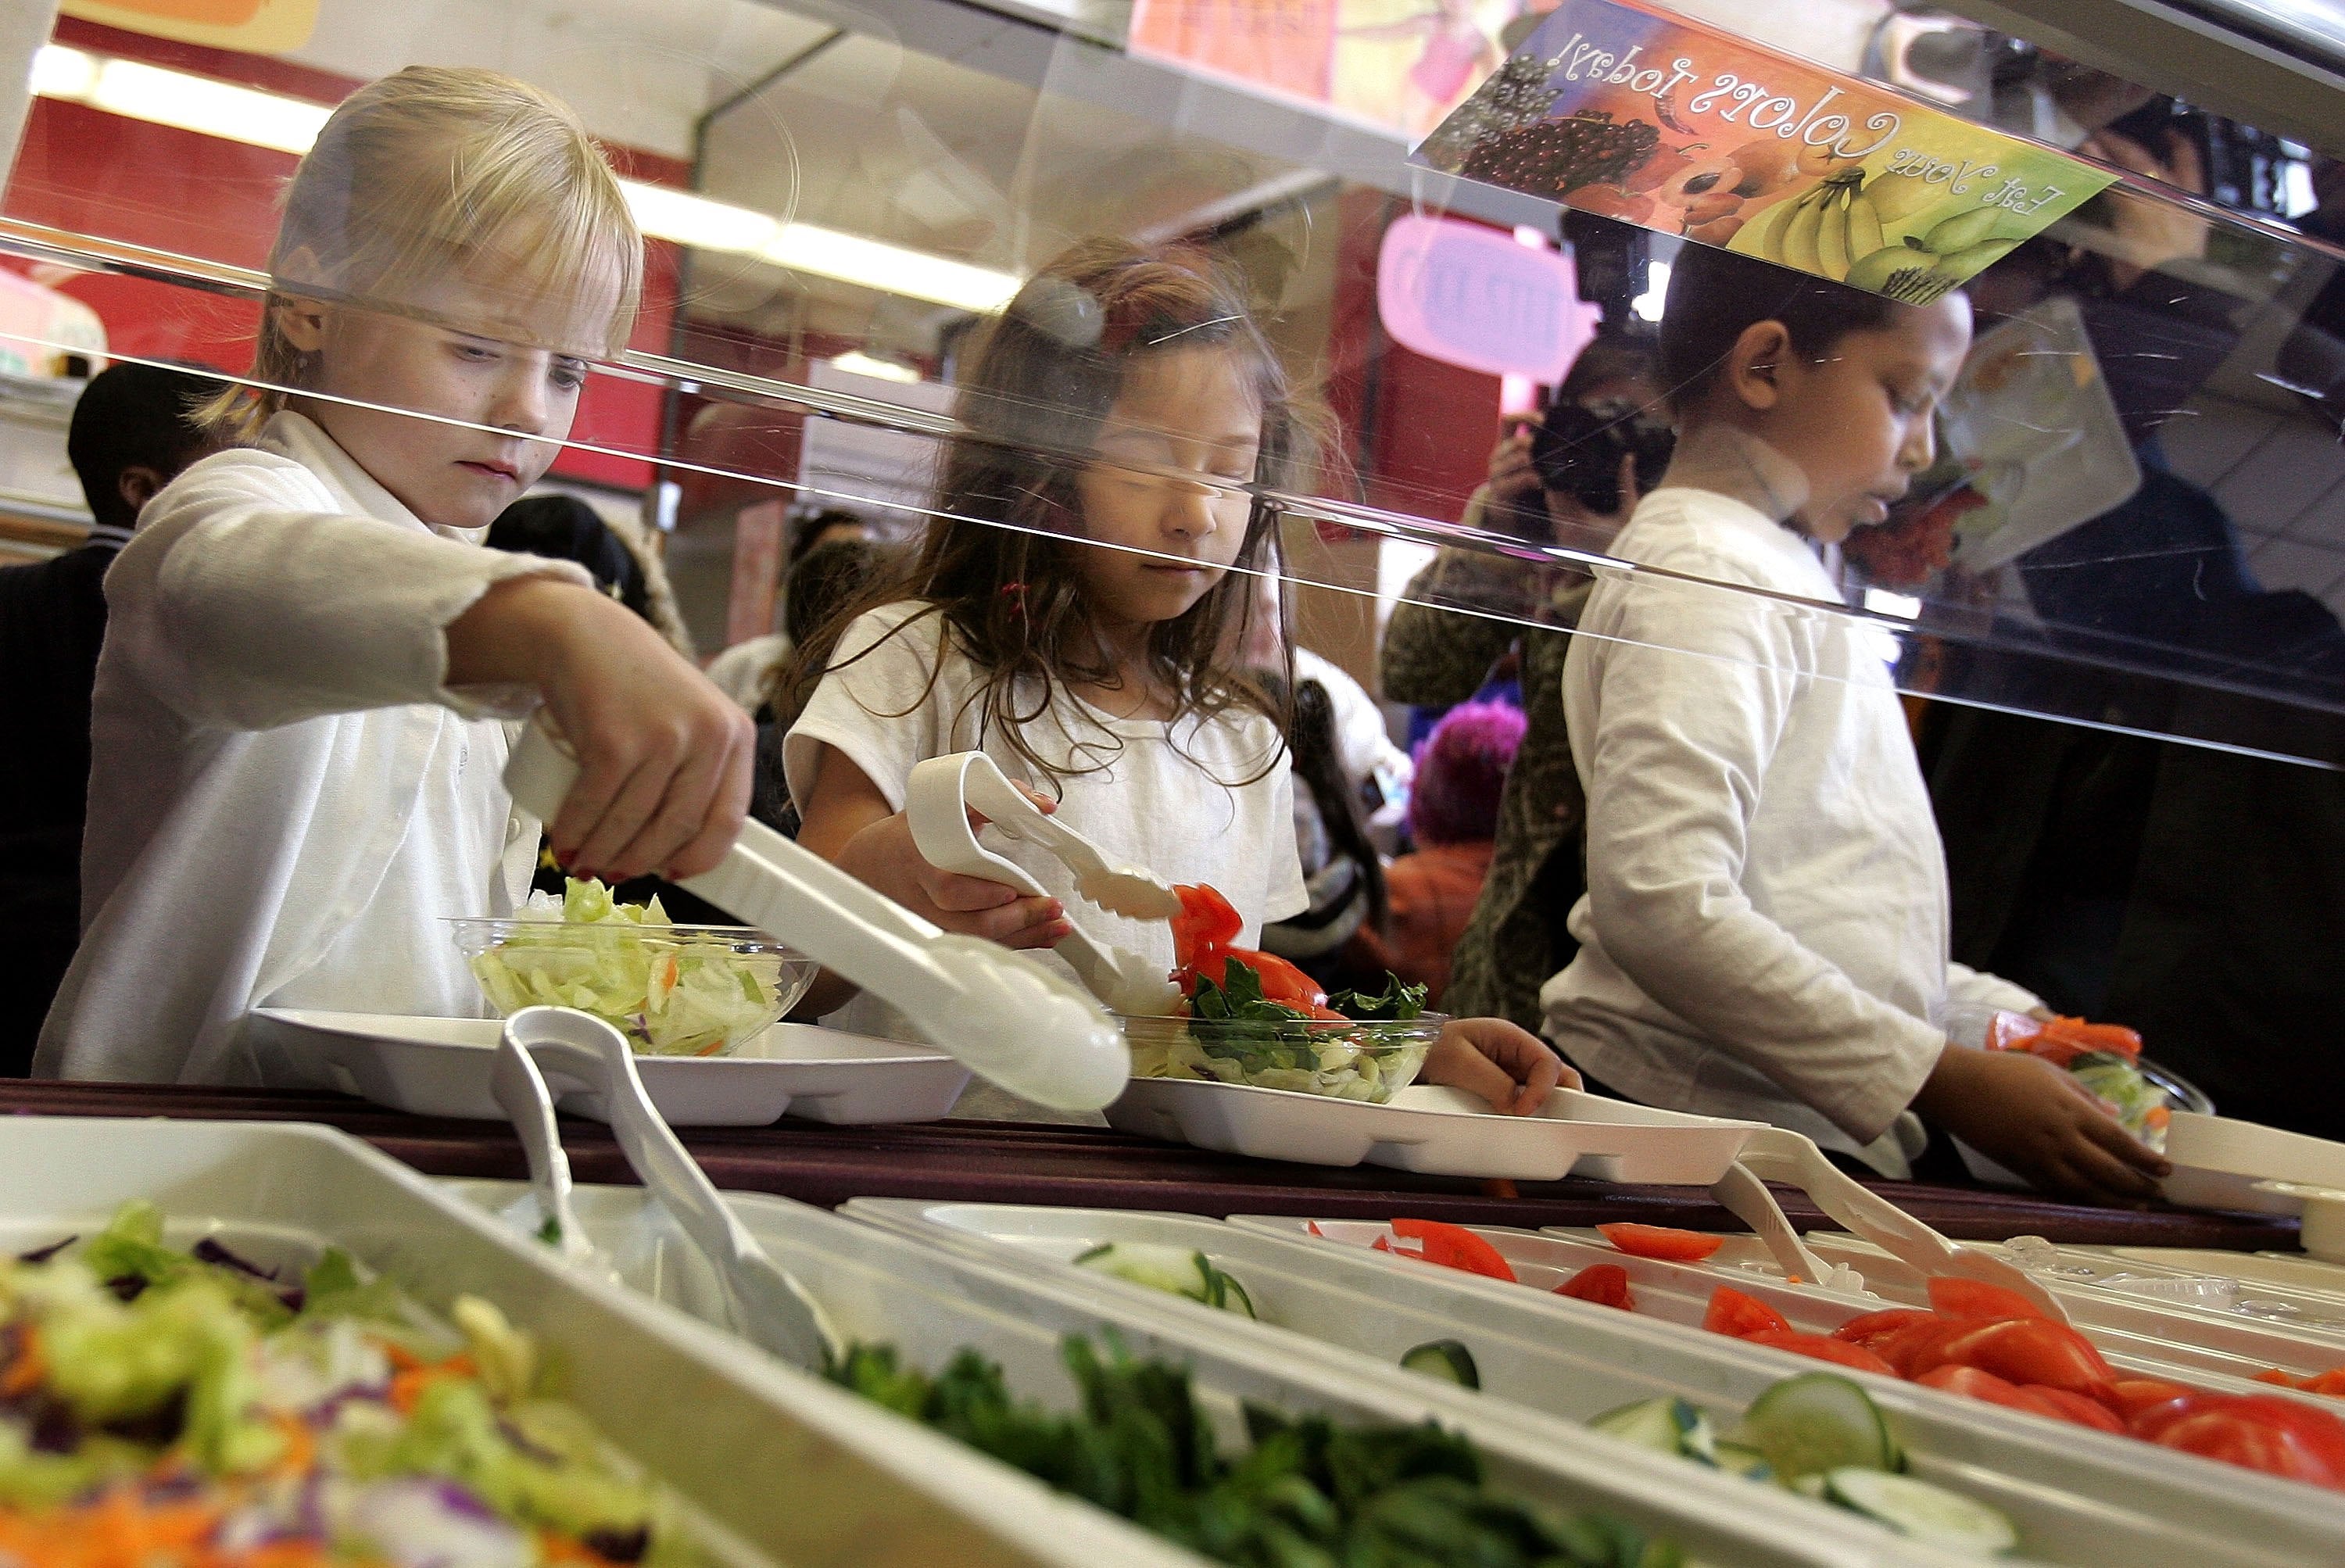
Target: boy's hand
x: 1504, y: 1062
x: 2027, y: 1115
x: 883, y: 855
x: 664, y: 757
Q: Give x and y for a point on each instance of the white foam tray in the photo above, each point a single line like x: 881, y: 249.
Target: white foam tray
x: 1436, y: 1131
x: 879, y: 1285
x: 2082, y: 1504
x: 802, y: 1473
x: 439, y: 1067
x: 2293, y: 1271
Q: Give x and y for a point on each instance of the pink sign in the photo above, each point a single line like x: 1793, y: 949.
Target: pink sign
x: 1471, y: 296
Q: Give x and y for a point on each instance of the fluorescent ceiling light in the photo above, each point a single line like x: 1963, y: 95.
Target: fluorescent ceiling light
x: 856, y: 362
x: 136, y: 90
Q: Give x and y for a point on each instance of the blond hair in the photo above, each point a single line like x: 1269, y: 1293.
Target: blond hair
x: 426, y: 172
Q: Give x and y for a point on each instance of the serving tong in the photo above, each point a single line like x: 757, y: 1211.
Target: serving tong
x: 1009, y: 1018
x: 937, y: 800
x: 546, y: 1050
x: 1776, y: 1153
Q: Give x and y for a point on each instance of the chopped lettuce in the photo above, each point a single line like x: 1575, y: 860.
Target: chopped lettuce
x: 671, y: 994
x: 1234, y: 1034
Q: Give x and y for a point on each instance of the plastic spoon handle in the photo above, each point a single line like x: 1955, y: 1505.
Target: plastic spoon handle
x: 520, y: 1092
x: 1006, y: 1016
x: 1778, y: 1155
x: 1747, y: 1198
x: 775, y: 1312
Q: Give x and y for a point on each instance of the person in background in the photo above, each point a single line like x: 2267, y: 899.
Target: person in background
x: 747, y: 671
x: 1453, y: 818
x: 1462, y: 616
x: 1765, y: 932
x: 1341, y: 866
x: 833, y: 575
x: 133, y: 429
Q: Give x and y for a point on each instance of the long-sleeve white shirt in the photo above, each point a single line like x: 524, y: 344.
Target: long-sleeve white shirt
x: 1764, y: 931
x: 285, y: 798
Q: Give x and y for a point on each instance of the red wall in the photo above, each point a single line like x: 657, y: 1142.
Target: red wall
x: 97, y: 174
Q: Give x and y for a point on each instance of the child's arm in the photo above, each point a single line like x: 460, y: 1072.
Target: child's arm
x: 846, y: 821
x: 664, y: 757
x: 1504, y: 1062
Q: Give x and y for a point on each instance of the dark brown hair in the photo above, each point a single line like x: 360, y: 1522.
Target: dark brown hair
x: 1715, y: 296
x: 998, y: 563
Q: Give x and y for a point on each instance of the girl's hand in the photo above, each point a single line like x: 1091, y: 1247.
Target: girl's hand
x: 1504, y: 1062
x: 883, y: 856
x: 2024, y: 1113
x: 664, y: 757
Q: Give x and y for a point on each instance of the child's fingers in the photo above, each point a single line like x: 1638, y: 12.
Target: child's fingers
x: 686, y: 802
x: 2109, y: 1135
x: 721, y: 818
x: 959, y: 895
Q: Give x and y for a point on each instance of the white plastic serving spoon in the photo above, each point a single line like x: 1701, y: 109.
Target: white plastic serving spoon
x: 1009, y: 1018
x: 938, y: 800
x: 566, y: 1049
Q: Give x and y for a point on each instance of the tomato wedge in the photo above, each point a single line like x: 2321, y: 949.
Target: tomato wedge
x: 1974, y: 1384
x: 1454, y: 1246
x: 1661, y: 1241
x: 1606, y: 1284
x: 1733, y: 1314
x: 1957, y: 1297
x: 1820, y: 1348
x: 1869, y: 1329
x: 2247, y: 1430
x: 2061, y: 1404
x: 1904, y: 1349
x: 1206, y: 924
x: 1281, y: 981
x: 2023, y: 1350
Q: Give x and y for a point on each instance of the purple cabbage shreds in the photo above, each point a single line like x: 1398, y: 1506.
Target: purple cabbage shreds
x: 128, y: 1287
x: 208, y: 1250
x: 173, y: 1486
x: 460, y: 1500
x: 522, y: 1445
x: 56, y: 1429
x: 42, y: 1254
x: 294, y: 1297
x: 620, y: 1545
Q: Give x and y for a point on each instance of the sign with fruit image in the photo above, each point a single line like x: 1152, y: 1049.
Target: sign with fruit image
x: 1640, y: 116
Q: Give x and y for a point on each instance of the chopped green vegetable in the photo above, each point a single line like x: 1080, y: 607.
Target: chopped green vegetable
x: 1444, y: 1358
x: 1922, y: 1512
x: 1234, y: 1035
x: 1176, y: 1270
x: 1307, y: 1494
x: 1819, y: 1421
x: 1669, y: 1425
x: 1399, y: 1000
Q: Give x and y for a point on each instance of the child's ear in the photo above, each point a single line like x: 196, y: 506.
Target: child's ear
x: 1754, y: 365
x: 300, y: 318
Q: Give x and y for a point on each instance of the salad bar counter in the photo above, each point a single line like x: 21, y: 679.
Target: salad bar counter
x: 1032, y: 1163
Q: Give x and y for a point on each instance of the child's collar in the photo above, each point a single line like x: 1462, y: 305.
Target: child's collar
x: 297, y: 436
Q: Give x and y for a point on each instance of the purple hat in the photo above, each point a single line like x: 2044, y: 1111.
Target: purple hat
x: 1461, y: 768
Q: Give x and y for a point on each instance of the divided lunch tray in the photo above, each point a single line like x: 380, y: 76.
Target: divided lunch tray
x: 777, y: 1466
x: 2106, y: 1500
x: 880, y: 1284
x: 439, y: 1067
x: 1436, y: 1131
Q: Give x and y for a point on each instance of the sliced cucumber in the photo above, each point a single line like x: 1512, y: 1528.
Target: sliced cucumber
x: 1447, y: 1359
x: 1744, y: 1460
x: 1176, y: 1270
x: 1819, y: 1421
x: 1922, y: 1512
x: 1668, y: 1425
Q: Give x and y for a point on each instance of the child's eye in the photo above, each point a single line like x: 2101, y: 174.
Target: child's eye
x: 476, y: 354
x: 569, y: 374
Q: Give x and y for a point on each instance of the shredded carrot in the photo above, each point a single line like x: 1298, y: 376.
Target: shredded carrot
x: 30, y: 1367
x: 300, y: 1455
x: 407, y: 1387
x: 558, y: 1548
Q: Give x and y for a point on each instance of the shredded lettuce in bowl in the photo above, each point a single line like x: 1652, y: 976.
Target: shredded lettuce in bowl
x: 672, y: 990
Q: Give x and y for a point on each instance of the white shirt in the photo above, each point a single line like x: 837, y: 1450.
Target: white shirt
x: 745, y: 672
x: 1764, y: 931
x: 284, y: 796
x: 1202, y: 800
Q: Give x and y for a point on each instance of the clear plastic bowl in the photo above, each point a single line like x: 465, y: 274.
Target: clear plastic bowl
x: 672, y: 990
x: 1343, y: 1058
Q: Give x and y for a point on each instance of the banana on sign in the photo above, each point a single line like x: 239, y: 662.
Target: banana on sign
x: 1688, y: 131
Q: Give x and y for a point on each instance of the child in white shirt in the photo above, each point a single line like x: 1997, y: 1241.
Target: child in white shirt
x: 296, y: 739
x: 1764, y: 931
x: 1071, y: 612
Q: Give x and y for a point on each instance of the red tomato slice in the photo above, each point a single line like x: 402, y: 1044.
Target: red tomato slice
x: 1455, y: 1247
x: 1661, y: 1241
x: 2137, y: 1399
x: 2274, y: 1375
x: 1958, y: 1298
x: 1974, y: 1384
x: 2320, y: 1433
x: 1820, y: 1348
x: 1205, y: 924
x: 2331, y: 1382
x: 2233, y: 1428
x: 2023, y: 1350
x: 1871, y: 1328
x: 1733, y: 1314
x: 1606, y: 1284
x: 1904, y: 1349
x: 2061, y: 1404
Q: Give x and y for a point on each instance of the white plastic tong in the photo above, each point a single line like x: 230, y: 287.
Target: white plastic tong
x: 1010, y: 1019
x: 938, y: 800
